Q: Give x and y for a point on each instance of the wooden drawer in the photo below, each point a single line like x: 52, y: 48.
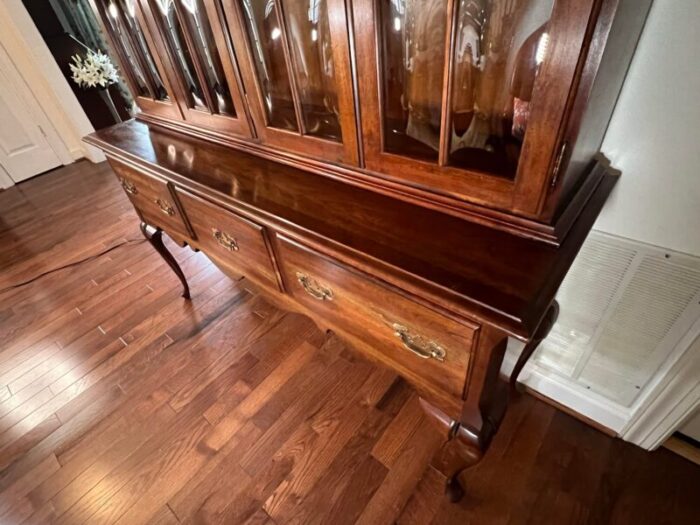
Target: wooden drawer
x: 231, y: 241
x: 421, y: 344
x: 153, y: 199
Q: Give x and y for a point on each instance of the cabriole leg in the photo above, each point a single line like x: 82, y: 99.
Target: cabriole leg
x: 468, y: 437
x: 155, y: 237
x: 550, y: 318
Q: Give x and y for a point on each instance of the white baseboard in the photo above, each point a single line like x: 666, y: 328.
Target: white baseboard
x: 77, y: 153
x: 91, y: 153
x: 563, y: 391
x: 5, y: 180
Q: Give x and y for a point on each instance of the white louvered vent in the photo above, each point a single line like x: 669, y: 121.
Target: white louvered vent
x: 585, y: 296
x: 624, y: 306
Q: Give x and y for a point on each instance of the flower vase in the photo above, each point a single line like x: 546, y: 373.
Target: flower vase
x: 107, y: 97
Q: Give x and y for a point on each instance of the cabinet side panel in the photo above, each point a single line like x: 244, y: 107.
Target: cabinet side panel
x: 615, y: 38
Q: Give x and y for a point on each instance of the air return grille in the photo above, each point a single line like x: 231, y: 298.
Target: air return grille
x: 624, y: 306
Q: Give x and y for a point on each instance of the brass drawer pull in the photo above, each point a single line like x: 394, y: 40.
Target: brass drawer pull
x: 422, y: 347
x: 129, y: 187
x: 225, y: 240
x: 165, y: 207
x: 314, y: 288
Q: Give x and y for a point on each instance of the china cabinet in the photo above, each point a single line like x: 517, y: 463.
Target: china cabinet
x: 416, y: 175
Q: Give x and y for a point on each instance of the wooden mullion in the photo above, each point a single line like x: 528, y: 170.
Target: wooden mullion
x: 350, y: 28
x: 143, y: 63
x: 216, y: 9
x: 120, y: 49
x: 290, y: 67
x: 199, y: 71
x: 117, y: 48
x: 447, y: 84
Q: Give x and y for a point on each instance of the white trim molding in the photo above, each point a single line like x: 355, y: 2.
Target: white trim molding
x: 673, y: 399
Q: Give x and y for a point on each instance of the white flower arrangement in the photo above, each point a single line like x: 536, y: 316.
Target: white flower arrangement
x: 95, y: 69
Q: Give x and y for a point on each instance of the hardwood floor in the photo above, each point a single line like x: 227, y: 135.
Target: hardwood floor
x: 120, y: 402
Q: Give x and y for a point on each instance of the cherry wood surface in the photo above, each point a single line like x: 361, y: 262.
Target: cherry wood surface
x: 497, y: 277
x: 121, y: 402
x: 232, y: 241
x: 154, y: 201
x: 381, y: 318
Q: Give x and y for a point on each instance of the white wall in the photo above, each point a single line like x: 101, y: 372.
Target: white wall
x: 654, y: 135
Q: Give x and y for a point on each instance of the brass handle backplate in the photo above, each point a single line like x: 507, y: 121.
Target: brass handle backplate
x: 314, y: 288
x: 129, y: 187
x: 225, y: 240
x: 419, y: 345
x: 165, y: 207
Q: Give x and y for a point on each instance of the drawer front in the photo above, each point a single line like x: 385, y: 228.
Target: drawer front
x: 418, y: 342
x: 153, y: 199
x: 230, y: 240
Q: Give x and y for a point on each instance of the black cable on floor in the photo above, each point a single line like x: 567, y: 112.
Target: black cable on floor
x: 70, y: 265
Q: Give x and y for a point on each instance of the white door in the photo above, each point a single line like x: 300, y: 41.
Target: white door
x: 24, y: 148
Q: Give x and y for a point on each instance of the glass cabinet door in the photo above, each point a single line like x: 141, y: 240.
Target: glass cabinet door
x: 204, y: 66
x: 467, y: 96
x: 298, y: 72
x: 140, y: 65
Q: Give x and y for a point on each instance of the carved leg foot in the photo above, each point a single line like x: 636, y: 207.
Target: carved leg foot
x: 540, y: 334
x: 461, y: 449
x: 155, y: 237
x: 467, y: 434
x: 454, y: 490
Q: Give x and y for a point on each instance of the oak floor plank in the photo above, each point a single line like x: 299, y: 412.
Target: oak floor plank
x: 217, y: 479
x: 233, y: 421
x: 112, y: 495
x: 25, y: 457
x: 164, y: 516
x: 315, y: 505
x: 318, y: 442
x: 401, y: 430
x: 317, y: 391
x: 25, y: 409
x: 13, y: 501
x: 64, y: 489
x: 406, y: 471
x: 425, y: 501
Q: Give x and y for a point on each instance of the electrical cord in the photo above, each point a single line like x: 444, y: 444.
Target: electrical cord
x: 72, y: 264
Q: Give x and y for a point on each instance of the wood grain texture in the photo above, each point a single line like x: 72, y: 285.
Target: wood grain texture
x: 118, y: 429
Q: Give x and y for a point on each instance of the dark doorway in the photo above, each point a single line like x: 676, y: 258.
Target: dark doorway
x: 69, y: 28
